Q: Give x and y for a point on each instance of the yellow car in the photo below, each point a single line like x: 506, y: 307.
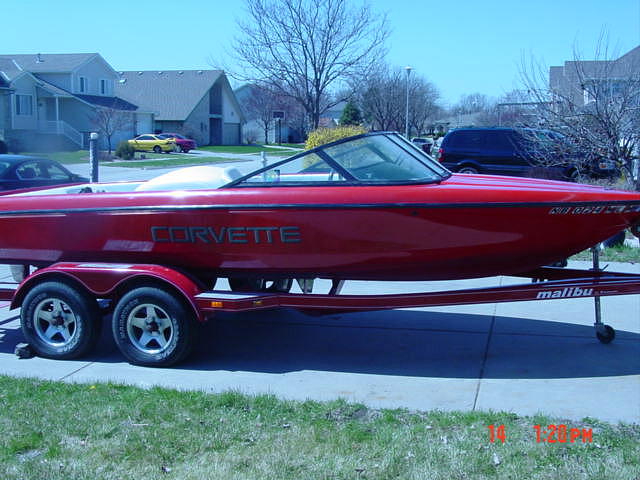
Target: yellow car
x: 152, y: 143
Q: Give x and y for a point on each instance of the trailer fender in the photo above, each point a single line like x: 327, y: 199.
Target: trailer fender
x: 107, y: 280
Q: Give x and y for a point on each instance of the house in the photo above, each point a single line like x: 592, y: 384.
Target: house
x: 199, y: 104
x: 279, y: 114
x: 52, y: 101
x: 572, y: 81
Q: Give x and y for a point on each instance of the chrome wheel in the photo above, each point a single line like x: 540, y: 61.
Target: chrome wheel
x: 55, y: 323
x: 154, y: 327
x: 149, y: 328
x: 60, y: 320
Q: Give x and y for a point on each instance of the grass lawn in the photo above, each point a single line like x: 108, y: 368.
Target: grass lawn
x: 73, y: 431
x: 82, y: 156
x: 243, y: 149
x: 293, y: 145
x: 79, y: 156
x: 173, y: 161
x: 614, y: 254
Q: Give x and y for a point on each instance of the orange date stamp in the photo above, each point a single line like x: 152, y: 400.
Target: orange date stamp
x: 546, y: 434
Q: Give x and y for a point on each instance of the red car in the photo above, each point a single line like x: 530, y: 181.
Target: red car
x: 184, y: 144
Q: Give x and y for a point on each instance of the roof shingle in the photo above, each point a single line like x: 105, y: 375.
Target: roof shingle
x: 49, y: 62
x: 171, y: 94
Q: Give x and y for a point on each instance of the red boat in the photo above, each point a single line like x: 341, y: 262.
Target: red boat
x: 371, y: 207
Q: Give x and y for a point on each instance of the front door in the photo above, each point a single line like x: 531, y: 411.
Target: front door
x: 50, y: 109
x: 215, y: 131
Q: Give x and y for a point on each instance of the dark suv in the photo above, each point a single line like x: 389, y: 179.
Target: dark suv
x: 510, y: 151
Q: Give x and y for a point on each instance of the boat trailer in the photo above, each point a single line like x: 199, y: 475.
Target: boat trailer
x: 547, y: 283
x: 153, y: 305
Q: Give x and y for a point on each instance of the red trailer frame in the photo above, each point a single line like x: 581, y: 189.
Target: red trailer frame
x: 168, y: 290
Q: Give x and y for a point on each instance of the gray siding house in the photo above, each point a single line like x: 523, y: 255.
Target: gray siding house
x: 279, y: 112
x: 52, y: 101
x: 199, y: 104
x: 568, y: 80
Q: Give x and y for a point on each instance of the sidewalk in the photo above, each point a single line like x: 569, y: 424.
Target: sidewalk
x: 523, y: 357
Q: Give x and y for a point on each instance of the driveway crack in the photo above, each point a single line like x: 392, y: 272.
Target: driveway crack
x: 486, y: 352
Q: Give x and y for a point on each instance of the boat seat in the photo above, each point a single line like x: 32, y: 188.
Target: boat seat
x: 202, y: 177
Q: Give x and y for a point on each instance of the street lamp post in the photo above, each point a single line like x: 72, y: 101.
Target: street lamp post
x: 406, y: 113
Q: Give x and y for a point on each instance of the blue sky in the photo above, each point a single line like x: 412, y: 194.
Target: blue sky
x: 462, y: 46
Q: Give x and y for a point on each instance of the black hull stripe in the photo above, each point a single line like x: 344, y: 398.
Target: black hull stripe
x: 318, y: 206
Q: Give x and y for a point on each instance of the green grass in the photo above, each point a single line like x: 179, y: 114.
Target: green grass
x: 178, y: 161
x: 82, y: 156
x: 614, y: 254
x: 79, y: 156
x: 247, y: 149
x: 293, y: 145
x: 104, y: 431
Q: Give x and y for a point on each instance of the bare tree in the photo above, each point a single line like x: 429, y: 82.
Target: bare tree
x: 108, y: 121
x: 259, y: 105
x: 596, y: 104
x: 303, y: 48
x: 472, y: 103
x: 382, y: 96
x: 263, y: 105
x: 513, y: 109
x: 423, y: 104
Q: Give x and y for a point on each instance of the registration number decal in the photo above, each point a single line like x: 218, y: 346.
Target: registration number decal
x: 594, y: 210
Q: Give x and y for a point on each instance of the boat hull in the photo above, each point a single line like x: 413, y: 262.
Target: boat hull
x: 469, y: 226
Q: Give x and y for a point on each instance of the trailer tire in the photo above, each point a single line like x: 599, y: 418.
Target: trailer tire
x: 153, y: 327
x: 60, y: 321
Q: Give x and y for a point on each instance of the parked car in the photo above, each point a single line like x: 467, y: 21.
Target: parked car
x: 21, y: 171
x: 517, y: 152
x: 152, y: 143
x: 183, y: 143
x: 425, y: 143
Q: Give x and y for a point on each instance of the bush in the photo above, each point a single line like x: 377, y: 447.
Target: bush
x: 125, y: 151
x: 3, y: 147
x: 321, y: 136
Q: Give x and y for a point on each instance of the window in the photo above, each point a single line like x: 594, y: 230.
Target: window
x: 24, y: 105
x: 306, y: 169
x: 499, y: 141
x: 84, y: 84
x: 103, y: 87
x: 41, y: 170
x: 372, y: 159
x: 380, y: 159
x: 468, y: 139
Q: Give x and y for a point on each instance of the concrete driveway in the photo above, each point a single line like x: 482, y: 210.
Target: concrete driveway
x: 526, y: 357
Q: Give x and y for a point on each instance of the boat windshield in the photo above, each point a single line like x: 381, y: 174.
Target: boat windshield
x: 377, y: 158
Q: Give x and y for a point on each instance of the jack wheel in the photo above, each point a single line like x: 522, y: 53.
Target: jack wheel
x: 606, y: 335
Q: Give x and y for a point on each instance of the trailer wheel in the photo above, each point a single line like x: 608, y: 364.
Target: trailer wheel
x: 60, y: 321
x: 153, y: 327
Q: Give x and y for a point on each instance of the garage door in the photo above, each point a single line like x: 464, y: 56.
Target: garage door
x: 143, y: 123
x: 231, y: 134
